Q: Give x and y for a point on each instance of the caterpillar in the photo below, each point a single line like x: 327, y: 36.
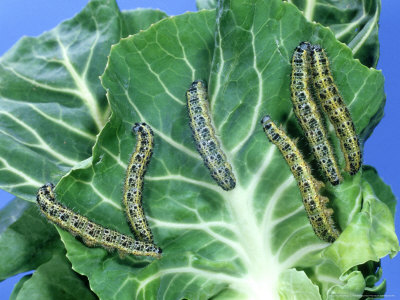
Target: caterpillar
x: 308, y: 114
x: 315, y: 205
x: 337, y: 111
x: 132, y: 196
x: 204, y: 135
x: 91, y: 233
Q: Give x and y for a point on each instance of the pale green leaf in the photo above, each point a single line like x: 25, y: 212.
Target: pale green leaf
x: 206, y: 4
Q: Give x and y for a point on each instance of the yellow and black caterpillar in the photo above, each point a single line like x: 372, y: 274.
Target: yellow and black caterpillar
x: 315, y: 205
x: 132, y: 197
x: 204, y: 135
x: 91, y: 233
x: 308, y: 115
x: 334, y: 106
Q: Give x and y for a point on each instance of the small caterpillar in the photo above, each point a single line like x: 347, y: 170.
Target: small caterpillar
x: 315, y: 205
x: 204, y: 135
x: 308, y: 115
x: 92, y: 234
x: 334, y: 106
x: 132, y: 197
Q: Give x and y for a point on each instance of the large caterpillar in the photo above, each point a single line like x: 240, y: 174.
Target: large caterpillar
x: 308, y: 115
x: 91, y: 233
x: 334, y: 106
x: 204, y: 135
x: 315, y: 205
x: 132, y: 197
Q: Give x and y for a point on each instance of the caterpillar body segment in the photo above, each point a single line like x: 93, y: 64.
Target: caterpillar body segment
x: 336, y: 109
x: 133, y: 186
x: 308, y: 114
x: 318, y: 214
x: 204, y: 135
x: 91, y: 233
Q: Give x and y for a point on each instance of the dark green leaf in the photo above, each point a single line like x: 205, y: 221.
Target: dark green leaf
x: 27, y: 242
x: 54, y: 280
x: 19, y: 286
x: 354, y: 23
x: 11, y: 212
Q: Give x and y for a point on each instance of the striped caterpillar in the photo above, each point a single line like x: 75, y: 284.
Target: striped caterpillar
x: 315, y: 205
x: 132, y: 197
x: 204, y: 135
x: 308, y: 115
x: 334, y: 106
x: 91, y: 233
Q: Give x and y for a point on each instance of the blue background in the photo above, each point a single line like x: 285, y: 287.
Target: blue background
x: 27, y: 17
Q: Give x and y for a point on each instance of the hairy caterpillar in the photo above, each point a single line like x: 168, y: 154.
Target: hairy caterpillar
x: 132, y: 197
x: 204, y: 135
x: 308, y: 115
x: 334, y: 106
x: 315, y: 205
x: 92, y: 234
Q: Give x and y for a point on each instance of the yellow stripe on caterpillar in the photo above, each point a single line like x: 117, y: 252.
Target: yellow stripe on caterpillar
x: 336, y: 109
x: 91, y: 233
x: 204, y: 136
x: 133, y: 186
x: 308, y: 114
x: 315, y: 205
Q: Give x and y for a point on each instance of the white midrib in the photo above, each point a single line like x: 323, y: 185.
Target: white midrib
x: 82, y: 86
x: 261, y: 280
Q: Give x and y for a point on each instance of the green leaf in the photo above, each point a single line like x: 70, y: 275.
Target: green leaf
x: 296, y: 285
x: 27, y: 242
x: 19, y: 286
x: 53, y: 280
x: 52, y: 103
x: 354, y: 23
x: 99, y: 182
x: 250, y: 243
x: 223, y: 244
x: 139, y: 19
x: 11, y: 212
x: 381, y: 189
x: 372, y: 230
x: 333, y: 285
x: 206, y: 4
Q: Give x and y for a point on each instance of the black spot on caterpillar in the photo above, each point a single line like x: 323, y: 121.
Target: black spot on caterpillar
x: 308, y: 114
x: 337, y: 111
x: 204, y: 135
x: 91, y: 233
x: 132, y: 197
x: 315, y: 205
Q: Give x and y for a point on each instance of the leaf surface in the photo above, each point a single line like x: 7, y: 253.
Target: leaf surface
x: 52, y: 102
x: 53, y: 280
x: 354, y: 23
x: 239, y: 243
x: 28, y: 241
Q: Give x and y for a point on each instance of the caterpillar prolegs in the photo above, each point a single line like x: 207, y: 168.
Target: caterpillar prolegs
x: 308, y: 114
x: 204, y: 136
x: 91, y: 233
x: 337, y: 111
x: 315, y: 205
